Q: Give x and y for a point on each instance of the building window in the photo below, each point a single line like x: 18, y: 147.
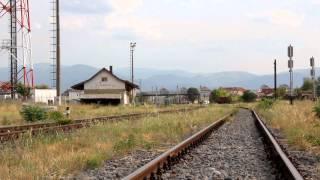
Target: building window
x: 104, y: 79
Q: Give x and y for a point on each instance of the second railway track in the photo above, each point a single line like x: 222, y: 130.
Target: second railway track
x: 8, y: 133
x: 239, y: 149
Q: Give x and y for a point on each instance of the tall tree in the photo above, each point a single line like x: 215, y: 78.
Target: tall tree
x: 193, y: 94
x: 307, y: 85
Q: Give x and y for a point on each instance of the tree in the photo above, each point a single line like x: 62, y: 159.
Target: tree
x: 23, y: 91
x: 193, y: 94
x: 307, y: 85
x: 216, y: 94
x: 42, y: 86
x: 249, y: 96
x: 281, y: 91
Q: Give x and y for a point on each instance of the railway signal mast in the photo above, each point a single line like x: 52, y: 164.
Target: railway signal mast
x: 19, y: 44
x: 275, y: 79
x: 132, y: 48
x: 290, y: 66
x: 313, y: 76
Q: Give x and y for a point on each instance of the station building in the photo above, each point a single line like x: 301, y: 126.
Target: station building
x: 106, y: 88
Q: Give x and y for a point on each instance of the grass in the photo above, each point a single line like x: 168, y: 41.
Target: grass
x: 10, y: 111
x: 298, y: 123
x: 61, y: 154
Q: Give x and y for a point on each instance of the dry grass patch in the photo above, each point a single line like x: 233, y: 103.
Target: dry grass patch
x: 10, y: 111
x: 298, y: 123
x: 61, y: 154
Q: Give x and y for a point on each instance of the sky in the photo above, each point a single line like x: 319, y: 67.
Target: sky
x: 201, y: 36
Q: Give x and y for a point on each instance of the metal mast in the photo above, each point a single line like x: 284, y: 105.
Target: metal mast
x: 13, y: 48
x: 132, y: 47
x: 19, y: 18
x: 55, y: 52
x: 275, y: 79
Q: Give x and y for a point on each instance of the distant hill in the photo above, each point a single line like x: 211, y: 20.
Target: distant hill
x: 170, y: 79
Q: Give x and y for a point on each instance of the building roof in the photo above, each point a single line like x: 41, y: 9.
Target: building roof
x: 204, y: 88
x: 234, y: 89
x: 80, y: 86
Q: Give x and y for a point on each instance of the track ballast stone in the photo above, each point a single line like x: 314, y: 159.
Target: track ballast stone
x: 234, y: 151
x: 118, y: 168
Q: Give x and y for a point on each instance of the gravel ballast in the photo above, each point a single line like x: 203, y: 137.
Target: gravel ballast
x: 234, y: 151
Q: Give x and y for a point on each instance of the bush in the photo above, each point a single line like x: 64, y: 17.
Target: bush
x: 33, y: 113
x: 249, y: 96
x: 224, y: 100
x: 266, y: 104
x: 59, y: 118
x: 55, y: 115
x: 316, y: 109
x: 220, y: 96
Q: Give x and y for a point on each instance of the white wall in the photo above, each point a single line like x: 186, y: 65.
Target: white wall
x: 112, y: 82
x: 44, y: 95
x: 75, y: 95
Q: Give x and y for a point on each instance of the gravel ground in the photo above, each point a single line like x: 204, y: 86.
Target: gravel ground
x: 119, y: 168
x: 307, y: 163
x: 234, y: 151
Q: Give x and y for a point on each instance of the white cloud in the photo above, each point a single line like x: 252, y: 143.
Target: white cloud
x: 279, y: 17
x: 287, y: 18
x: 123, y: 7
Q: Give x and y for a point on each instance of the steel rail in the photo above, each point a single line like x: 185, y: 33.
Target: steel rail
x: 14, y: 132
x: 282, y: 160
x: 154, y: 168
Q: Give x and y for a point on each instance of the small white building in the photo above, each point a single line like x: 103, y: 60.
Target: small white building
x: 46, y: 96
x: 106, y: 88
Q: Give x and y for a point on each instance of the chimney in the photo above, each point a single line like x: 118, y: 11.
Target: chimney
x: 110, y: 69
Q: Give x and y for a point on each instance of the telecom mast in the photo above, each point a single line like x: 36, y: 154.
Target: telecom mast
x: 19, y: 45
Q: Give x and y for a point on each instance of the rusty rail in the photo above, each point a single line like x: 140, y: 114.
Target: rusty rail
x: 154, y: 168
x: 14, y: 132
x: 288, y: 170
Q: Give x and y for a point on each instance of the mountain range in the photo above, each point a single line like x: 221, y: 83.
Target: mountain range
x: 171, y: 79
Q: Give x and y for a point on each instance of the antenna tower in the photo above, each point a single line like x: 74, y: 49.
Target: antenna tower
x: 19, y: 45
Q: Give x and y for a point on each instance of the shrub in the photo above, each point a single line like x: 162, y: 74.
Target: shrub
x: 33, y: 113
x: 59, y: 118
x: 94, y: 161
x: 220, y: 96
x: 249, y: 96
x: 55, y: 115
x: 316, y: 109
x: 266, y: 103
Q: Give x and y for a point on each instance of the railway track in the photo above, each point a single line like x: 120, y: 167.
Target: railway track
x: 8, y: 133
x: 242, y: 148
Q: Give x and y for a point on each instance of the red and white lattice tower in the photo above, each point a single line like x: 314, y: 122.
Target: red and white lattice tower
x: 19, y: 45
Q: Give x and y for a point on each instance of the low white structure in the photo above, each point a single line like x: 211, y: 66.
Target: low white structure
x: 46, y: 96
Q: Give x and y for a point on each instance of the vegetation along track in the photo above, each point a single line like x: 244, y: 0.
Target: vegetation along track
x: 242, y: 148
x: 14, y: 132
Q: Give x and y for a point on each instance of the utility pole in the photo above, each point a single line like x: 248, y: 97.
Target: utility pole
x: 313, y: 76
x: 290, y: 66
x: 132, y: 47
x: 275, y: 79
x: 58, y: 75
